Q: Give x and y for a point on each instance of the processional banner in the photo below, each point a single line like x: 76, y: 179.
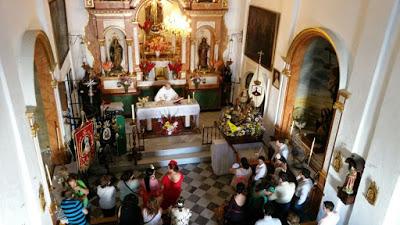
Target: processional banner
x: 84, y: 146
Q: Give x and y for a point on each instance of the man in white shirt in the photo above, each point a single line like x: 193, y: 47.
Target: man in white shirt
x: 261, y: 169
x: 166, y: 93
x: 280, y: 148
x: 283, y: 195
x: 304, y: 186
x: 268, y: 220
x: 331, y: 217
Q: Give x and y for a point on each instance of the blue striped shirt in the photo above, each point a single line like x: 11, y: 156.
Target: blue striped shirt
x: 73, y: 211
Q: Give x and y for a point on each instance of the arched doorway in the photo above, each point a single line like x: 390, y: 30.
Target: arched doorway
x: 49, y: 134
x: 318, y: 71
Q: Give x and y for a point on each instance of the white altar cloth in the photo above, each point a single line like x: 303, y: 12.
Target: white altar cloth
x: 155, y: 110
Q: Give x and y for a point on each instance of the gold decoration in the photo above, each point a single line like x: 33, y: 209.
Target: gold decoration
x: 30, y: 113
x: 372, y: 193
x: 89, y: 3
x: 337, y: 161
x: 101, y: 42
x: 344, y: 93
x: 225, y: 3
x: 339, y: 106
x: 129, y: 42
x: 42, y: 198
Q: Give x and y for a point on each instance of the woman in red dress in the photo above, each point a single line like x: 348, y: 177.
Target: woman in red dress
x: 149, y: 185
x: 171, y: 183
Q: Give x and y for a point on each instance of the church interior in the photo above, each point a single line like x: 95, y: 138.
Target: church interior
x: 200, y: 112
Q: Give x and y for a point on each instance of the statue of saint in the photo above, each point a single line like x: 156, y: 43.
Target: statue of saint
x: 350, y: 179
x: 116, y: 55
x: 154, y: 14
x: 203, y: 53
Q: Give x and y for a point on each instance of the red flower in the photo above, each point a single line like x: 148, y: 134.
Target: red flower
x: 146, y: 66
x: 175, y: 67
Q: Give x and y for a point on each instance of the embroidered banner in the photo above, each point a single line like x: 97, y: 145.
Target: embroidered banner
x: 84, y: 146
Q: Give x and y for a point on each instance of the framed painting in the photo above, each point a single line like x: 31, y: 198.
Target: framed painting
x: 276, y: 78
x: 262, y: 30
x: 84, y: 146
x: 60, y: 28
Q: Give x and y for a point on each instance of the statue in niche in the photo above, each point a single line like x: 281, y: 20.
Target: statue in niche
x: 350, y: 179
x: 203, y: 53
x: 116, y: 54
x: 154, y: 14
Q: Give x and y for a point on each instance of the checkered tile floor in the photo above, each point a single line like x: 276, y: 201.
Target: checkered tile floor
x: 203, y: 191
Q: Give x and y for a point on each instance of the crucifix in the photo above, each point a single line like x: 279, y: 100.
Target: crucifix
x: 260, y: 54
x: 90, y: 83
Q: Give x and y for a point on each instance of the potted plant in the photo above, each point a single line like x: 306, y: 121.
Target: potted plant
x: 196, y: 79
x: 146, y: 67
x: 124, y: 81
x: 175, y: 68
x: 158, y: 44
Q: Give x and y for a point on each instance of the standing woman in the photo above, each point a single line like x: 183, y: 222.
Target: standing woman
x: 171, y: 183
x: 150, y: 187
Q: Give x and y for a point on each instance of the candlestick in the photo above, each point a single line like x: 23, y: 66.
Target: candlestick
x: 193, y: 94
x: 311, y: 151
x: 188, y: 98
x: 48, y: 175
x: 291, y: 128
x: 133, y: 112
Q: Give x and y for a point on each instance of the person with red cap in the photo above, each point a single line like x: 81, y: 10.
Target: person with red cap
x: 171, y: 185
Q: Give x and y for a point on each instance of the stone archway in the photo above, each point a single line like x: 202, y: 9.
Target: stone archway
x: 49, y: 133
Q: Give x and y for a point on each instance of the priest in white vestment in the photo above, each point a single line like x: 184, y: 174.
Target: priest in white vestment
x: 166, y: 93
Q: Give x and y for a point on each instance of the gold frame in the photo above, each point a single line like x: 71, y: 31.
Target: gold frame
x: 337, y: 162
x: 372, y: 193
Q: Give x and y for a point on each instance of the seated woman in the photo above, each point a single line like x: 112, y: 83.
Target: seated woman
x: 128, y: 185
x: 106, y: 193
x: 149, y: 186
x: 242, y: 174
x: 234, y: 213
x: 152, y: 212
x: 166, y: 93
x: 129, y: 213
x: 280, y: 164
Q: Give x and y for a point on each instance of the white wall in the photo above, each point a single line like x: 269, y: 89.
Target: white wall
x: 21, y: 166
x: 365, y: 36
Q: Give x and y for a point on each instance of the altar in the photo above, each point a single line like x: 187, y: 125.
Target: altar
x: 157, y: 110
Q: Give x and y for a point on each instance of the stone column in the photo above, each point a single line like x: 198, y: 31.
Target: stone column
x: 192, y: 56
x: 136, y: 44
x: 184, y: 49
x: 216, y: 51
x: 103, y: 54
x: 129, y: 42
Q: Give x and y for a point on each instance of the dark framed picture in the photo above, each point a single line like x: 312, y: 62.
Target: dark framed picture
x: 262, y: 30
x: 60, y: 28
x: 276, y: 78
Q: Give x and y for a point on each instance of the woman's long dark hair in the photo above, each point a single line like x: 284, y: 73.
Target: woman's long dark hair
x: 149, y: 172
x: 245, y: 163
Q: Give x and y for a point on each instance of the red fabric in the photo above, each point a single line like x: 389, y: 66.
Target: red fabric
x: 171, y: 191
x: 154, y: 191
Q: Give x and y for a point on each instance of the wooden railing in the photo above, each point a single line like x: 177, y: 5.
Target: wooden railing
x: 136, y: 144
x: 209, y: 134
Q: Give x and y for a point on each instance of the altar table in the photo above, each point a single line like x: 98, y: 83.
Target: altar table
x: 156, y: 110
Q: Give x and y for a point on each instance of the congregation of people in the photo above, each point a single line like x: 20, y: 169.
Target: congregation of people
x: 266, y: 193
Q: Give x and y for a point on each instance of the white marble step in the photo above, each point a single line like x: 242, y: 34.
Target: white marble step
x: 185, y: 158
x: 174, y: 151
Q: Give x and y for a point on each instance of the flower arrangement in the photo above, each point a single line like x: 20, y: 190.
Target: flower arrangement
x: 175, y: 68
x: 158, y: 43
x: 146, y: 67
x: 107, y: 66
x: 196, y: 79
x: 124, y: 81
x: 246, y: 121
x: 170, y: 127
x: 146, y: 26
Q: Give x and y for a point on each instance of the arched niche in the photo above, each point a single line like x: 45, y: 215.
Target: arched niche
x: 35, y: 72
x: 299, y: 49
x: 114, y: 32
x: 208, y: 32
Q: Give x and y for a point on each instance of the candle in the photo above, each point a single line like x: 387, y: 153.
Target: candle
x: 58, y: 138
x: 193, y: 94
x: 133, y: 112
x: 48, y: 175
x: 291, y: 128
x: 311, y: 151
x: 188, y: 98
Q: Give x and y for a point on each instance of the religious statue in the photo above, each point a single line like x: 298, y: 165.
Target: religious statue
x: 203, y: 53
x: 350, y: 179
x: 116, y: 55
x: 154, y: 14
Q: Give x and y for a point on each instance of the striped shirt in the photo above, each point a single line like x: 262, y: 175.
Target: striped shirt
x: 73, y: 211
